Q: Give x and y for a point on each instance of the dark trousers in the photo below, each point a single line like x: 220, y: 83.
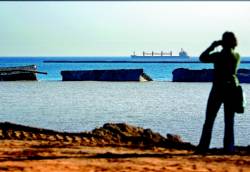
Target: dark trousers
x: 218, y: 95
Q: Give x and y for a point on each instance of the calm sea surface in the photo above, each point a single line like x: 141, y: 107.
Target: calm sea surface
x: 161, y: 105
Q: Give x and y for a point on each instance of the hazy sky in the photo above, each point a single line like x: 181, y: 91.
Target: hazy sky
x: 119, y: 28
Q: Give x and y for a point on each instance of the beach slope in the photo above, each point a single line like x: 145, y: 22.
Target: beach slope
x: 113, y: 147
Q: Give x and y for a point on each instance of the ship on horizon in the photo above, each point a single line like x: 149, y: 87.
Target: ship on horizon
x: 146, y: 57
x: 161, y: 56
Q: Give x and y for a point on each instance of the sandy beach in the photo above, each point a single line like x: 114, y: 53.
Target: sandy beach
x: 108, y: 148
x: 44, y: 156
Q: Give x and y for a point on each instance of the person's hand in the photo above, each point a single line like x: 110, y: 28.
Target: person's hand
x: 216, y: 44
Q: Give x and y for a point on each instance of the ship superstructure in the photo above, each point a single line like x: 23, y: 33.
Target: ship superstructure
x: 161, y: 55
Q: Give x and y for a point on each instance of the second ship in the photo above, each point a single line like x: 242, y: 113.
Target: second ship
x: 160, y: 56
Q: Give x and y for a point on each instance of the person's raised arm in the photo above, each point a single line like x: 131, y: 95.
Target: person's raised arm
x: 205, y: 57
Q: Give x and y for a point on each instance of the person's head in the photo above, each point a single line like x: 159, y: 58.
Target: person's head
x: 229, y: 40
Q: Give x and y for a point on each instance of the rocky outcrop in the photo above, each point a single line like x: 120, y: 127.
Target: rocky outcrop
x: 188, y: 75
x: 105, y: 75
x: 205, y: 75
x: 244, y: 75
x: 19, y: 73
x: 120, y: 134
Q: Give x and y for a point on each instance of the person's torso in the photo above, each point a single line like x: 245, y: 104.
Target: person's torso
x: 225, y: 67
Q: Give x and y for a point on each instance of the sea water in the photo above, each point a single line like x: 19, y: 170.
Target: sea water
x: 157, y: 71
x: 163, y: 106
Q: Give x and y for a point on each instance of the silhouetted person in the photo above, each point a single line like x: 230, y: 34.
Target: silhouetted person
x: 225, y: 68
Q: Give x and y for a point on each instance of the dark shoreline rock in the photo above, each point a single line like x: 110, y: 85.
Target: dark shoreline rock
x: 204, y: 75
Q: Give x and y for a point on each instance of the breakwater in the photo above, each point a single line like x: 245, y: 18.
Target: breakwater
x: 205, y: 75
x: 105, y: 75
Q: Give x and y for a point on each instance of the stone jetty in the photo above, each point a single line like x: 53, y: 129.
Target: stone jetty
x: 204, y: 75
x: 105, y: 75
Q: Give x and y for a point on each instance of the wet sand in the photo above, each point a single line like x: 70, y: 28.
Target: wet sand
x: 22, y: 150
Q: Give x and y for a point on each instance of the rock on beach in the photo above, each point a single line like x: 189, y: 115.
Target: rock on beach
x: 120, y: 134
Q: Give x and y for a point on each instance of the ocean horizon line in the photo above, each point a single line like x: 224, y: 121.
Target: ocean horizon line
x: 85, y: 56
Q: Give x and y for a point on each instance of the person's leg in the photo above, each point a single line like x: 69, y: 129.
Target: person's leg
x: 213, y: 106
x: 229, y: 128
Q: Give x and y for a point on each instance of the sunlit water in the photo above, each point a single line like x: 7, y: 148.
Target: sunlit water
x: 165, y: 107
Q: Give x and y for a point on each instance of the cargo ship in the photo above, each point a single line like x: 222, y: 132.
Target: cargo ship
x: 146, y: 57
x: 152, y: 56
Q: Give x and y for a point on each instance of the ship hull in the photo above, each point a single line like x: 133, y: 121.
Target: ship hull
x: 159, y: 58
